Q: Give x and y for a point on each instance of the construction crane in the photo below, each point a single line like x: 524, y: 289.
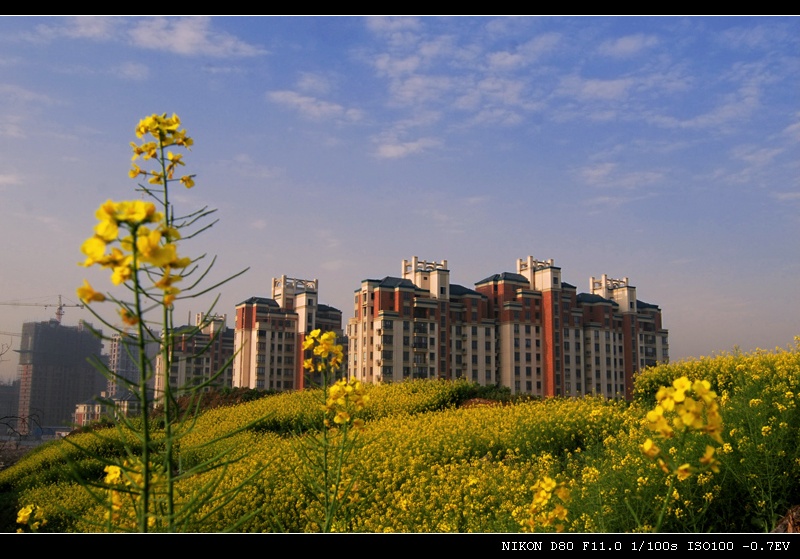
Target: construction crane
x: 59, y: 307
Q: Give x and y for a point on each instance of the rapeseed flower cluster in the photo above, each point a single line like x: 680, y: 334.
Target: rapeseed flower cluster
x: 326, y: 353
x: 31, y: 516
x: 689, y: 407
x: 132, y: 234
x: 548, y: 509
x: 343, y: 397
x: 126, y: 487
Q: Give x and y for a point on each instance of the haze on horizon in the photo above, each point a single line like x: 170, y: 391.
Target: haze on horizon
x: 660, y: 149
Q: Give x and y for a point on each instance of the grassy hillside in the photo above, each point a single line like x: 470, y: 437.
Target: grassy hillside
x: 424, y: 463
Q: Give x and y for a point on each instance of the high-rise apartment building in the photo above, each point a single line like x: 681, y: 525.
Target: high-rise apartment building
x: 199, y: 353
x: 56, y: 373
x: 269, y: 334
x: 527, y: 330
x: 123, y: 360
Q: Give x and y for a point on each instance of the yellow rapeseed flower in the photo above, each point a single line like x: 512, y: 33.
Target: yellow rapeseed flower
x: 112, y: 474
x: 128, y: 318
x: 87, y: 294
x: 24, y: 514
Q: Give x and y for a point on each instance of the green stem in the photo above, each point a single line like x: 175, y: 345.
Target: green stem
x: 143, y: 397
x: 660, y: 520
x: 167, y: 320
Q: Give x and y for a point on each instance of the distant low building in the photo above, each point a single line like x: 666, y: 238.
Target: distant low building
x: 9, y: 404
x: 122, y: 404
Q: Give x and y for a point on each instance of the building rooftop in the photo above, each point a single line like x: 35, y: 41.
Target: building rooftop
x: 505, y: 276
x: 591, y: 298
x: 643, y: 305
x: 260, y: 301
x: 460, y: 291
x: 390, y: 281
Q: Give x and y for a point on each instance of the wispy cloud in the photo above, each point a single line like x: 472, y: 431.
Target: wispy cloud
x: 525, y: 54
x: 607, y: 175
x: 628, y: 46
x: 310, y: 82
x: 755, y: 155
x: 596, y: 89
x: 244, y: 166
x: 313, y: 108
x: 10, y: 179
x: 395, y: 149
x: 386, y: 24
x: 132, y: 71
x: 97, y: 28
x: 793, y: 130
x: 11, y: 126
x: 15, y: 93
x: 189, y: 36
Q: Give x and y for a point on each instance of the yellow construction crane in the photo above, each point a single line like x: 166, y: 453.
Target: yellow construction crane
x: 59, y: 306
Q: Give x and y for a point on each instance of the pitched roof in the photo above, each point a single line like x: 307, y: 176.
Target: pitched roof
x: 460, y: 291
x: 591, y: 298
x: 505, y: 276
x: 260, y: 301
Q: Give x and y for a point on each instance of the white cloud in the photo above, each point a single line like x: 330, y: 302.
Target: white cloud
x: 334, y: 265
x: 383, y: 24
x: 10, y: 180
x: 11, y: 126
x: 310, y: 82
x: 758, y: 37
x: 541, y: 44
x: 784, y: 196
x: 793, y: 130
x: 501, y: 116
x: 133, y: 71
x: 189, y: 36
x: 327, y: 239
x: 313, y: 108
x: 607, y: 175
x: 733, y: 107
x: 395, y: 67
x: 606, y: 90
x: 20, y: 94
x: 97, y: 28
x: 419, y: 89
x: 627, y: 46
x: 756, y: 156
x: 505, y: 60
x: 397, y: 150
x: 244, y: 166
x: 525, y: 54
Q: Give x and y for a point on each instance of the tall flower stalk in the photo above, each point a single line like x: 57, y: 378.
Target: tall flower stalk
x: 138, y: 242
x: 683, y: 412
x: 328, y: 474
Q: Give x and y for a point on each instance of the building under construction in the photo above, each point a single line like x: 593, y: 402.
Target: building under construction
x: 56, y: 372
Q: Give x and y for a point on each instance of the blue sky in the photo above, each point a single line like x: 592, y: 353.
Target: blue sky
x: 660, y: 149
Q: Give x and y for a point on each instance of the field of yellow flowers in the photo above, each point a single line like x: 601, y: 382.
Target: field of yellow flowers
x: 685, y: 456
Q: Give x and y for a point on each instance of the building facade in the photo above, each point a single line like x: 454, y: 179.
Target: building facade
x: 269, y: 334
x: 56, y: 373
x: 123, y: 362
x: 123, y: 404
x: 528, y: 331
x: 202, y: 355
